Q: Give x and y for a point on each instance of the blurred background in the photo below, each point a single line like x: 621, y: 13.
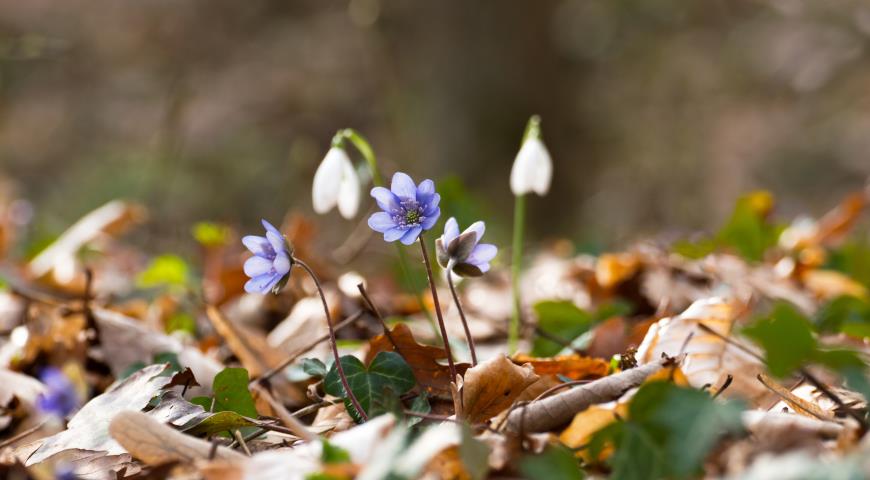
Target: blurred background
x: 658, y: 113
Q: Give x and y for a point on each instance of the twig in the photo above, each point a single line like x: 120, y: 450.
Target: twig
x: 371, y: 306
x: 292, y: 358
x: 725, y: 385
x: 312, y: 408
x: 10, y: 441
x: 835, y: 398
x: 296, y: 427
x: 238, y: 436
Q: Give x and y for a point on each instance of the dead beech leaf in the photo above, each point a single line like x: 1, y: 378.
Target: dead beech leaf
x: 828, y: 284
x: 251, y: 348
x: 155, y: 443
x: 709, y: 358
x: 615, y: 335
x: 492, y: 386
x: 612, y: 269
x: 575, y: 367
x: 59, y: 258
x: 587, y: 422
x: 88, y: 429
x: 433, y: 376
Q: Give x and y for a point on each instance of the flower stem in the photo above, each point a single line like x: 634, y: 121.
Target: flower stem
x: 365, y: 149
x: 462, y: 316
x: 338, y: 366
x: 438, y: 308
x: 516, y: 268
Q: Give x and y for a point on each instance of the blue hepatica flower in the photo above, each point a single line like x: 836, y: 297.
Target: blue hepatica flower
x: 408, y: 209
x: 463, y: 252
x: 270, y: 265
x: 60, y: 397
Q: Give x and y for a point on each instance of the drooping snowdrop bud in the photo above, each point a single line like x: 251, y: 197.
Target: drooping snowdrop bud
x: 336, y: 184
x: 533, y: 168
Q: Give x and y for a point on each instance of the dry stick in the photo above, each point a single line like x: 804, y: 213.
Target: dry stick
x: 552, y: 412
x: 338, y: 367
x: 725, y: 384
x: 462, y: 316
x: 238, y: 436
x: 803, y: 371
x: 295, y: 426
x: 374, y: 309
x: 793, y: 400
x: 292, y: 358
x: 437, y: 308
x: 312, y: 408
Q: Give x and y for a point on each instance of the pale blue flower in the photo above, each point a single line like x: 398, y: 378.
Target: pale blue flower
x: 408, y: 209
x: 60, y: 397
x: 463, y: 253
x: 270, y: 265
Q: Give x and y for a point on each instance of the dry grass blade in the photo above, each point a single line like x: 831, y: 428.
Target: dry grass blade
x: 555, y: 411
x: 799, y: 405
x: 155, y: 443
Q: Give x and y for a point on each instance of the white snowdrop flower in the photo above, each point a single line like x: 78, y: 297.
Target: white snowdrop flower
x: 533, y: 167
x: 336, y: 184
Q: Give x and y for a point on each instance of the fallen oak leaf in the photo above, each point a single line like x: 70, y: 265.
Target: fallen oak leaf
x: 155, y: 443
x: 575, y: 367
x: 492, y: 386
x: 555, y: 411
x: 432, y: 376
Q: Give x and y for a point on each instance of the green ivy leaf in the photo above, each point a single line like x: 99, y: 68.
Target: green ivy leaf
x: 556, y: 463
x: 314, y: 367
x: 419, y: 405
x: 846, y: 314
x: 387, y: 370
x: 853, y: 259
x: 562, y: 319
x: 786, y: 337
x: 231, y: 392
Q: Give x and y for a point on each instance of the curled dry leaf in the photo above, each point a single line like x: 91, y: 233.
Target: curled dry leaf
x: 575, y: 367
x: 156, y: 443
x: 553, y: 412
x: 492, y: 386
x: 612, y: 269
x: 424, y: 360
x: 709, y: 358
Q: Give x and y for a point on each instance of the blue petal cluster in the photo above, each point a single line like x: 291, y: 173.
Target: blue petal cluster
x: 60, y: 397
x: 270, y: 265
x: 408, y: 209
x: 464, y: 252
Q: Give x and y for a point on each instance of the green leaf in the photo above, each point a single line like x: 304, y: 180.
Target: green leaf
x: 181, y: 322
x: 556, y: 463
x: 170, y: 358
x: 419, y: 405
x: 694, y: 250
x: 231, y: 392
x: 204, y: 402
x: 165, y: 270
x: 314, y: 367
x: 786, y: 337
x: 562, y: 319
x: 853, y: 259
x: 333, y: 454
x: 387, y: 370
x: 747, y: 231
x: 669, y: 432
x: 846, y: 314
x: 210, y: 234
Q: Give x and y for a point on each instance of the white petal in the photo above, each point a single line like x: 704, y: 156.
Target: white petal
x: 532, y: 170
x: 349, y: 191
x: 327, y: 180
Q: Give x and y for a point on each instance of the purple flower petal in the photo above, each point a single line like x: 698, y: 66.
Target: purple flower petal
x: 429, y: 222
x: 394, y: 234
x: 403, y: 186
x: 281, y: 264
x: 270, y: 228
x: 262, y: 283
x: 411, y: 235
x: 483, y: 267
x: 482, y: 254
x: 477, y: 227
x: 256, y: 266
x: 258, y: 246
x: 451, y: 231
x: 385, y: 199
x: 425, y: 191
x: 381, y: 221
x: 432, y: 206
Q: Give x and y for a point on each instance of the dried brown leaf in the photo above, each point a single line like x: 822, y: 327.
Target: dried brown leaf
x: 492, y: 386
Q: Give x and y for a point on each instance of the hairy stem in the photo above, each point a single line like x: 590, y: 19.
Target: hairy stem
x: 338, y: 366
x: 462, y: 317
x: 516, y: 268
x: 438, y: 308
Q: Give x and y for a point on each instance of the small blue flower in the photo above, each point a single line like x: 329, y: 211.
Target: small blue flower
x: 270, y: 265
x: 60, y: 397
x: 463, y: 253
x: 408, y: 209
